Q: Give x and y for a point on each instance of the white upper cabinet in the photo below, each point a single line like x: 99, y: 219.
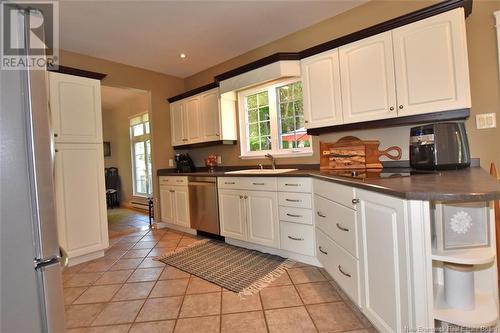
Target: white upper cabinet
x: 419, y: 68
x: 432, y: 71
x: 193, y: 120
x: 178, y: 123
x: 210, y: 124
x: 204, y: 117
x: 367, y: 76
x: 321, y: 89
x: 75, y: 104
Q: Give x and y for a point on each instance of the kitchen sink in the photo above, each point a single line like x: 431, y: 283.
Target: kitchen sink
x: 260, y: 171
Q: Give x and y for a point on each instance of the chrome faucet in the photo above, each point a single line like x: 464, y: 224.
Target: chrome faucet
x: 273, y: 161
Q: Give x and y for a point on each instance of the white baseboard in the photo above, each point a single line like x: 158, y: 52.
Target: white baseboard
x: 282, y: 253
x: 161, y: 225
x: 84, y: 258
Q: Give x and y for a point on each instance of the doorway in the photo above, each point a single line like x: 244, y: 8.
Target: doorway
x: 128, y: 158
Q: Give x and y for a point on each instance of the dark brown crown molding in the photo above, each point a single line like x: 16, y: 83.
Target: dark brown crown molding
x: 77, y: 72
x: 193, y: 92
x: 460, y: 114
x: 389, y: 25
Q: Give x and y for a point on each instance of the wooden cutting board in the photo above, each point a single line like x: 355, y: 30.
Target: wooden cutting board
x: 353, y: 153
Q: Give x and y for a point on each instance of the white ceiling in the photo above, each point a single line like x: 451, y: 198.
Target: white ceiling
x: 152, y: 34
x: 113, y: 97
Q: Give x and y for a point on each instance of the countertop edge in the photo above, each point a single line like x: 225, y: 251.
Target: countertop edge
x: 365, y: 185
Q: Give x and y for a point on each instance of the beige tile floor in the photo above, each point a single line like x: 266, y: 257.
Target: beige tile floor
x: 127, y: 291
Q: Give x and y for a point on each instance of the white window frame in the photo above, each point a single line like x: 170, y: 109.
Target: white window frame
x: 142, y: 138
x: 274, y: 122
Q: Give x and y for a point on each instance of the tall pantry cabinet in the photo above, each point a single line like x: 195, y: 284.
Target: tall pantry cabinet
x: 76, y: 121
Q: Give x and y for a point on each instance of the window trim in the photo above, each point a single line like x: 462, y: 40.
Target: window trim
x: 245, y: 153
x: 141, y: 138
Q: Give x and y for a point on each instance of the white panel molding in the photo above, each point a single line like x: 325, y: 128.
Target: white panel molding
x: 497, y: 26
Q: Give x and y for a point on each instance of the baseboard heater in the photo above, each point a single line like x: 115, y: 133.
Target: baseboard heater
x: 139, y: 205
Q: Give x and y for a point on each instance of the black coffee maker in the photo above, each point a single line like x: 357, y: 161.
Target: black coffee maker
x: 184, y: 163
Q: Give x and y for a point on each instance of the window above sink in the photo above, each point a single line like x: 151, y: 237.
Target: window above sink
x: 271, y: 121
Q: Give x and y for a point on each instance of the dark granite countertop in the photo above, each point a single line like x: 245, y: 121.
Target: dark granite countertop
x: 472, y: 184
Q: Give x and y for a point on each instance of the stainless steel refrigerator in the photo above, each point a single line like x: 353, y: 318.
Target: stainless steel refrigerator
x: 30, y: 272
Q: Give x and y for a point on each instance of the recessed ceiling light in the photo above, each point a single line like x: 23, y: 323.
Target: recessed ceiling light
x: 183, y: 55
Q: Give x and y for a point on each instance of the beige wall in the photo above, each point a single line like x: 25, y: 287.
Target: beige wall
x: 160, y: 86
x: 483, y: 68
x: 116, y: 130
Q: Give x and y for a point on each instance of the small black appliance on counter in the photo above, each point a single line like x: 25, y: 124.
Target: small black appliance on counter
x: 184, y: 163
x: 440, y: 146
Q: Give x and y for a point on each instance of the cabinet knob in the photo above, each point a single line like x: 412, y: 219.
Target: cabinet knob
x: 306, y: 121
x: 401, y: 107
x: 55, y: 135
x: 184, y: 139
x: 245, y: 197
x: 171, y: 191
x: 391, y: 108
x: 355, y: 201
x: 217, y: 134
x: 241, y: 197
x: 57, y: 150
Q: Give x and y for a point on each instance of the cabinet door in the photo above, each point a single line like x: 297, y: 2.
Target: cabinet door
x: 181, y: 206
x: 384, y: 261
x: 80, y: 198
x: 432, y: 71
x: 75, y: 104
x: 178, y: 123
x: 210, y: 115
x: 367, y: 75
x: 262, y: 218
x: 321, y: 89
x: 167, y: 204
x: 193, y: 120
x: 232, y: 214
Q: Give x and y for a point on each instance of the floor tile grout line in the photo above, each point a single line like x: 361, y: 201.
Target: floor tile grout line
x: 305, y: 307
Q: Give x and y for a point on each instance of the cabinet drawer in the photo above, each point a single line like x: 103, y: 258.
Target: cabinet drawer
x: 338, y: 222
x: 297, y: 215
x: 341, y: 194
x: 298, y: 200
x: 339, y: 264
x: 173, y: 180
x: 294, y: 184
x: 248, y: 183
x: 297, y: 238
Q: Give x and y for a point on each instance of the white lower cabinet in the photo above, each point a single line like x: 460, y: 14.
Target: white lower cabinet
x: 174, y: 201
x: 81, y: 199
x: 250, y: 216
x: 298, y: 238
x: 384, y: 260
x: 232, y: 214
x: 341, y: 266
x: 166, y: 206
x: 262, y: 218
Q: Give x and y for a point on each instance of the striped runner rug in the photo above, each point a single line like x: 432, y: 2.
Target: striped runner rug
x: 237, y: 269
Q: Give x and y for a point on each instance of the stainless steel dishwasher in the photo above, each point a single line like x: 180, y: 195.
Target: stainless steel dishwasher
x: 203, y: 204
